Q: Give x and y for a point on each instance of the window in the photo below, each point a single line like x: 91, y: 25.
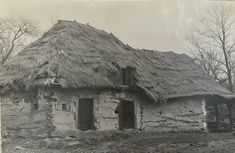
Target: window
x: 127, y: 76
x: 35, y: 106
x: 64, y: 107
x: 123, y: 76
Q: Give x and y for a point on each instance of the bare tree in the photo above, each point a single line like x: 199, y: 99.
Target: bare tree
x: 213, y: 44
x: 14, y: 34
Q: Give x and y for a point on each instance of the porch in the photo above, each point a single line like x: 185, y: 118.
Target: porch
x: 220, y: 114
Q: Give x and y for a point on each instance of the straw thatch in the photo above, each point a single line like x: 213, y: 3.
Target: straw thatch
x: 74, y: 55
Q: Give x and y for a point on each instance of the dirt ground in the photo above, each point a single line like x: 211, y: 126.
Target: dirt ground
x: 123, y: 142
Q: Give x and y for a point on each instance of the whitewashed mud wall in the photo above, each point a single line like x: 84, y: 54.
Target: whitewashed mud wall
x: 178, y: 115
x: 18, y: 114
x: 64, y: 119
x: 105, y: 103
x: 104, y: 111
x: 14, y: 115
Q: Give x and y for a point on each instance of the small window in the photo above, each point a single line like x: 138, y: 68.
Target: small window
x: 35, y: 106
x: 64, y: 107
x: 127, y: 76
x: 123, y: 76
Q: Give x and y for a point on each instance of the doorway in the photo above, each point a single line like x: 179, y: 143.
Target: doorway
x: 126, y: 115
x: 85, y: 114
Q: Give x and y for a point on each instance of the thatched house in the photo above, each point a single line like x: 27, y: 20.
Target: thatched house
x: 79, y: 77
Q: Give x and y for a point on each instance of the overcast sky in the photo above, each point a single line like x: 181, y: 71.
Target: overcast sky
x: 159, y: 24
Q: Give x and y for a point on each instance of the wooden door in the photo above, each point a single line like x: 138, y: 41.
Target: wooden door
x: 126, y: 115
x: 85, y: 114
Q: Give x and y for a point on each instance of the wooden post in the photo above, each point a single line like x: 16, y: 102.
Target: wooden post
x: 229, y: 105
x: 76, y: 114
x: 216, y: 115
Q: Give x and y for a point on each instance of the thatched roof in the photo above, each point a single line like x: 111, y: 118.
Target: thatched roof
x: 74, y: 55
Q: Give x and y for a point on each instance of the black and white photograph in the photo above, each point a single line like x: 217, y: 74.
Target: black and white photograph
x: 117, y: 76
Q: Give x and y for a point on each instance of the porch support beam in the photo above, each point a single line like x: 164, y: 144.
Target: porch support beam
x: 216, y: 115
x: 229, y: 105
